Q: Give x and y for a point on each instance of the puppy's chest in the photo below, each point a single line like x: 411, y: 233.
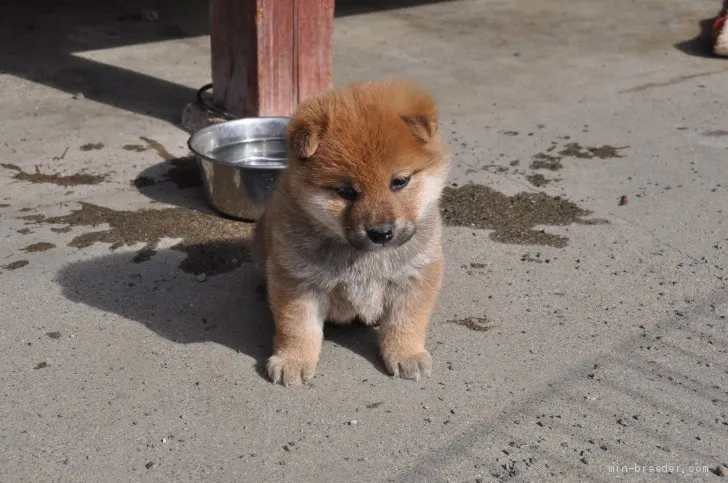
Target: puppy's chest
x: 365, y: 297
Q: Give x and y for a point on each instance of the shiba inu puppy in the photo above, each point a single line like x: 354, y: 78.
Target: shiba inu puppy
x: 353, y: 229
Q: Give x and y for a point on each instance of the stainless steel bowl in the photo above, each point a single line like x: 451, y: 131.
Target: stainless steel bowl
x: 240, y: 162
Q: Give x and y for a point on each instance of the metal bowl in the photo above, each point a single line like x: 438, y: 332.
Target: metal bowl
x: 240, y: 162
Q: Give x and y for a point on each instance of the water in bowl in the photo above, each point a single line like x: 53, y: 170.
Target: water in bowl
x: 267, y: 153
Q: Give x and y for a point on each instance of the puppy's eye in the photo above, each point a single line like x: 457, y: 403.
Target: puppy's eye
x: 347, y: 192
x: 400, y: 182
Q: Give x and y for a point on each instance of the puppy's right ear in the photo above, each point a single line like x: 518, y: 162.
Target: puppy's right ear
x: 304, y: 137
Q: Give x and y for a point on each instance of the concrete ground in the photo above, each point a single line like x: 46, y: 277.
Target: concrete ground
x: 588, y: 344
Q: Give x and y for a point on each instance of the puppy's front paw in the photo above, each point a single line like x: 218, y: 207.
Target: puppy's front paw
x: 414, y: 366
x: 290, y: 369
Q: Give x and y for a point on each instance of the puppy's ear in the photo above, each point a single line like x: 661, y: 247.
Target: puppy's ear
x: 417, y: 109
x: 303, y: 138
x: 307, y: 127
x: 422, y: 127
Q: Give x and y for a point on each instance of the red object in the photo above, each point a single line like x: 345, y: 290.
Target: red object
x: 718, y: 27
x: 269, y: 55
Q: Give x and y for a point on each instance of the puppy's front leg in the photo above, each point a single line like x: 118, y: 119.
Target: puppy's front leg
x: 403, y: 330
x: 299, y: 331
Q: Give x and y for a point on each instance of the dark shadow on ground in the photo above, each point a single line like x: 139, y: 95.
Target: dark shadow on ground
x: 228, y: 309
x: 345, y: 8
x: 702, y: 44
x: 40, y: 40
x: 176, y: 183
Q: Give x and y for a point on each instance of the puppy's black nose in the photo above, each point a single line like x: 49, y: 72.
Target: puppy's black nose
x: 381, y: 233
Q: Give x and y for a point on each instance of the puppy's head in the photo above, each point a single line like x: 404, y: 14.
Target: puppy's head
x: 367, y: 161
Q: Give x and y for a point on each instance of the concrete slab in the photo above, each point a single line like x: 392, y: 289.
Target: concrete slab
x: 604, y: 348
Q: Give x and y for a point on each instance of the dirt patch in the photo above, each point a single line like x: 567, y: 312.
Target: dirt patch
x: 213, y: 244
x: 511, y: 218
x: 15, y: 265
x: 54, y: 335
x: 39, y: 247
x: 137, y: 148
x: 4, y: 205
x: 478, y: 324
x: 91, y: 146
x: 538, y: 179
x: 25, y: 231
x: 56, y: 178
x: 40, y: 365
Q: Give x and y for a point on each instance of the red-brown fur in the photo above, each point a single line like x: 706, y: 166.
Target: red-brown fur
x: 363, y: 136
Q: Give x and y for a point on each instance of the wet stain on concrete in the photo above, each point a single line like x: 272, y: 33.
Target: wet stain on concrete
x: 32, y: 218
x: 15, y: 265
x: 213, y: 244
x: 56, y: 178
x: 143, y: 182
x: 477, y: 324
x: 91, y: 146
x: 183, y: 171
x: 161, y: 150
x: 513, y: 218
x: 546, y: 161
x: 576, y: 150
x: 538, y: 179
x: 39, y: 247
x: 137, y: 148
x: 552, y: 162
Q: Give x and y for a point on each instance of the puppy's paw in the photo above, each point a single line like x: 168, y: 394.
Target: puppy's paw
x: 290, y: 369
x: 415, y: 366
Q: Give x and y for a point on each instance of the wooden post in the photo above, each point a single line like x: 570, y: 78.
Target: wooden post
x: 269, y: 55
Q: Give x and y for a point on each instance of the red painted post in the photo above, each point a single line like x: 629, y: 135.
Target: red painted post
x: 269, y: 55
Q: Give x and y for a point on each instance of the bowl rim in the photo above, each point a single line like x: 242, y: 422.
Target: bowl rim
x: 243, y: 120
